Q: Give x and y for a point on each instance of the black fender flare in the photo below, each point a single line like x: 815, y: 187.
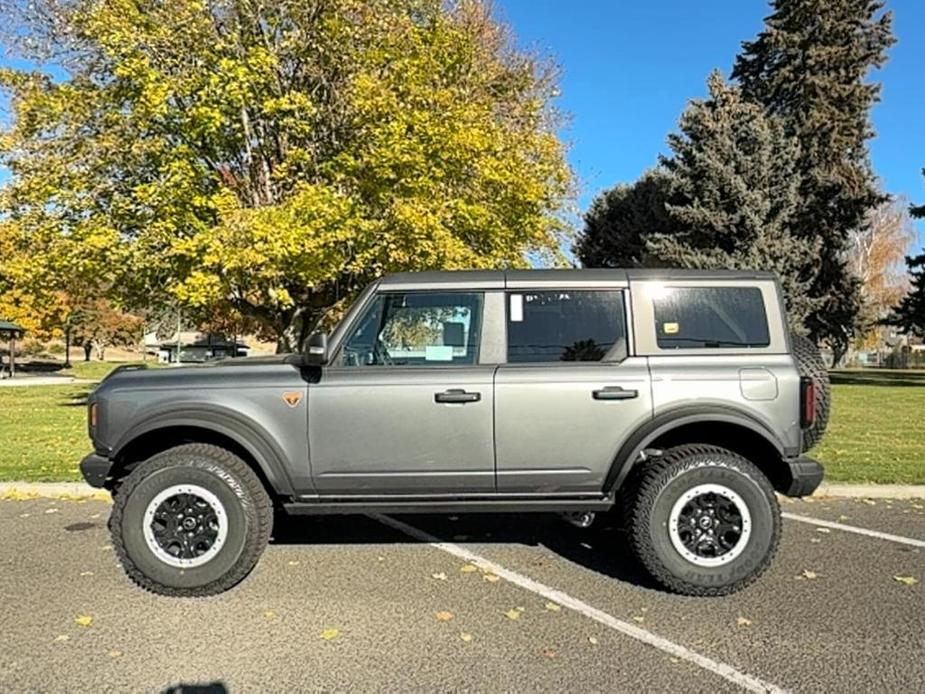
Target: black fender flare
x: 672, y: 419
x: 233, y: 425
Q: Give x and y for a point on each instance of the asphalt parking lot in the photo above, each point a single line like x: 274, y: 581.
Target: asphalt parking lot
x: 504, y: 603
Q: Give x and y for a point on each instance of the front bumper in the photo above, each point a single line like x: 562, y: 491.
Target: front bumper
x: 805, y: 476
x: 95, y: 469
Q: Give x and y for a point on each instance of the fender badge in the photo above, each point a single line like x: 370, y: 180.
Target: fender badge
x: 292, y: 397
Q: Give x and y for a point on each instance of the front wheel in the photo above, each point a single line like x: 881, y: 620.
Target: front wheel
x: 702, y: 520
x: 191, y: 521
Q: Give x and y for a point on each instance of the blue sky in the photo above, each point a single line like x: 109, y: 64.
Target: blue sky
x: 630, y: 67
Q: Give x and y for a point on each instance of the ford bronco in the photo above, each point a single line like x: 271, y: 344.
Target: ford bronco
x: 676, y: 399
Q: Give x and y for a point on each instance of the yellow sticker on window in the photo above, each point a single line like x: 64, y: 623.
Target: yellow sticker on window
x: 670, y: 328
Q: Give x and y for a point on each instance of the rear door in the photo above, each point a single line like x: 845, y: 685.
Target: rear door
x: 570, y: 393
x: 406, y: 407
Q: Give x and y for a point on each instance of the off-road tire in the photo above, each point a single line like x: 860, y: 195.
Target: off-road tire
x: 655, y: 488
x: 811, y: 364
x: 245, y: 501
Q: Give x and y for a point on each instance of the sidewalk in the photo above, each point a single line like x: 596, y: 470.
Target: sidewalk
x: 42, y: 381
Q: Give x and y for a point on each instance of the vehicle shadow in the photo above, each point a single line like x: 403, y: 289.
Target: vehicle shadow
x: 600, y: 548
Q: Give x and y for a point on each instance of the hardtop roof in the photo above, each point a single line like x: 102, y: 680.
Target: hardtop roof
x: 500, y: 279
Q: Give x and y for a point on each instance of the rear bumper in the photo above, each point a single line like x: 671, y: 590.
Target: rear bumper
x: 805, y: 476
x: 95, y: 469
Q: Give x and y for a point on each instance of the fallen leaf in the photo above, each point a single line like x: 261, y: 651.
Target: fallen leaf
x: 809, y: 574
x: 815, y: 540
x: 115, y: 654
x: 553, y: 607
x: 549, y: 653
x: 465, y: 637
x: 330, y: 634
x: 824, y: 531
x: 675, y: 660
x: 469, y: 568
x: 491, y: 578
x: 51, y: 510
x: 381, y: 558
x: 24, y: 515
x: 86, y: 573
x: 94, y: 516
x: 843, y: 517
x: 593, y: 640
x: 906, y: 580
x: 744, y: 622
x: 444, y: 616
x: 269, y: 614
x: 440, y: 576
x: 293, y: 562
x: 638, y: 619
x: 62, y: 637
x: 84, y: 620
x: 513, y: 614
x: 869, y: 502
x: 106, y: 548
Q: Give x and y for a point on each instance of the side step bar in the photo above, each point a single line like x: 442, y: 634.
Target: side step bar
x: 449, y: 506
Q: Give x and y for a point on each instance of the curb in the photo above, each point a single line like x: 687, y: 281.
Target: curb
x: 872, y: 491
x: 17, y: 490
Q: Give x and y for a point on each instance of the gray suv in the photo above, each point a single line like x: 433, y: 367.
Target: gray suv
x: 676, y: 399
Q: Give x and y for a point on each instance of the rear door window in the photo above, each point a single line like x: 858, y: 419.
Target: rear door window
x: 565, y: 325
x: 710, y: 317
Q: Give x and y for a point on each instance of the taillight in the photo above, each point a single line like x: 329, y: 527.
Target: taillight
x: 807, y: 402
x: 91, y: 416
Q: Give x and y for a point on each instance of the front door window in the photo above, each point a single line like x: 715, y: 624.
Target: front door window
x: 416, y: 329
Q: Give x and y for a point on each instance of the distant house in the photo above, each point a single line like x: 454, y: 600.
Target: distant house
x: 204, y: 348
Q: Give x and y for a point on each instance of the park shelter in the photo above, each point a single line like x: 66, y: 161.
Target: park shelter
x: 9, y: 332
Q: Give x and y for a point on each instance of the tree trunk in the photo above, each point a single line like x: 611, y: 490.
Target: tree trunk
x: 294, y: 334
x: 67, y: 346
x: 88, y: 349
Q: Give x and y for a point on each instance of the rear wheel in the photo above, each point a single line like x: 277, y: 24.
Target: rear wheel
x: 191, y: 521
x: 702, y: 520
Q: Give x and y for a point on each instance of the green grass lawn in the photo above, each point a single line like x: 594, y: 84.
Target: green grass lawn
x: 877, y: 430
x: 876, y: 434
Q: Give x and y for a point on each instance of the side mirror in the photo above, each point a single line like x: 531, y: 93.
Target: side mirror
x: 316, y: 349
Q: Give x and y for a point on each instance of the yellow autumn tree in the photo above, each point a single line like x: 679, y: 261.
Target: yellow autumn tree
x: 268, y: 159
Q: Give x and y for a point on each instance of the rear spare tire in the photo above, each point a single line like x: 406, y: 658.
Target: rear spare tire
x: 810, y: 364
x: 702, y: 520
x: 191, y: 521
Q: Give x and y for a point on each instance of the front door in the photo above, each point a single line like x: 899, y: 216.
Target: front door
x: 405, y: 407
x: 569, y: 395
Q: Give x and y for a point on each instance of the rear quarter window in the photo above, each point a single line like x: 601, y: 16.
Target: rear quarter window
x: 710, y: 317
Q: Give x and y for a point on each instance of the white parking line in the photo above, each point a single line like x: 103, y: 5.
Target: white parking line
x: 747, y: 682
x: 854, y: 529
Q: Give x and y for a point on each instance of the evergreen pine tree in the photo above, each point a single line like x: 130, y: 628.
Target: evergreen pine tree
x: 733, y: 190
x: 619, y: 221
x: 809, y: 68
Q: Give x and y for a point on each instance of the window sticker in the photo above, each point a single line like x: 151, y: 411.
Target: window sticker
x: 671, y: 328
x: 517, y: 308
x: 438, y: 353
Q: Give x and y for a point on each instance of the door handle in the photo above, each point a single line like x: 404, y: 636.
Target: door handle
x: 457, y: 395
x: 614, y: 393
